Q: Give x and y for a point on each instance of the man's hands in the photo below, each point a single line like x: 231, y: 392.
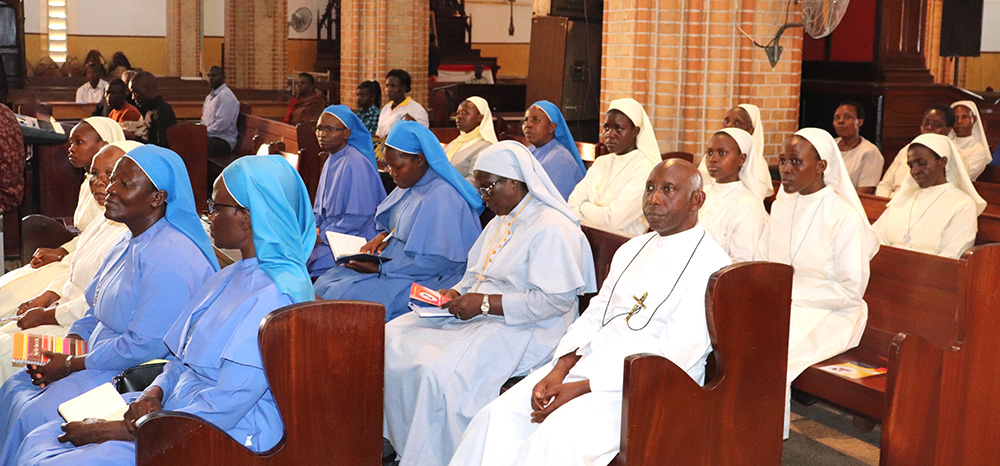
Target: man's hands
x: 36, y: 317
x: 45, y: 256
x: 550, y: 393
x: 89, y: 431
x: 45, y: 299
x: 148, y: 402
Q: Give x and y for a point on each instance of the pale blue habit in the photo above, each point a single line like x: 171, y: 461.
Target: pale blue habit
x: 139, y: 292
x: 349, y: 190
x: 214, y: 369
x: 559, y: 164
x: 433, y: 225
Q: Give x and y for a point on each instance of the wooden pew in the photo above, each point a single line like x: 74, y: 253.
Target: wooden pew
x: 737, y: 416
x: 990, y: 192
x: 190, y: 141
x: 331, y: 416
x: 183, y: 109
x: 989, y: 224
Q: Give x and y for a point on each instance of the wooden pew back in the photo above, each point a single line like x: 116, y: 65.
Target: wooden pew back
x: 989, y: 224
x: 190, y: 141
x: 990, y: 192
x: 736, y: 418
x: 324, y: 363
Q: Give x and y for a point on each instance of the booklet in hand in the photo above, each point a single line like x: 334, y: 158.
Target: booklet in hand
x: 348, y: 248
x: 427, y: 302
x: 102, y: 402
x: 28, y: 348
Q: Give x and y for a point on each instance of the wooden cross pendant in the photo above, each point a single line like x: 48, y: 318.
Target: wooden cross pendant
x: 639, y: 305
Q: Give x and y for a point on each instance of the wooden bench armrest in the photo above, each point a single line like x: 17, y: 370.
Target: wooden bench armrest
x: 915, y: 367
x: 40, y: 231
x: 170, y: 438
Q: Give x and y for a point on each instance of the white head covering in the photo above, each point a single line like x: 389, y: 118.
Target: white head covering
x: 977, y: 129
x: 762, y: 172
x: 126, y: 145
x: 955, y: 172
x: 510, y: 159
x: 483, y: 131
x: 747, y: 174
x: 646, y: 141
x: 836, y: 176
x: 109, y: 130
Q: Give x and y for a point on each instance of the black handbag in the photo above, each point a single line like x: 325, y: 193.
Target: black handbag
x: 138, y: 378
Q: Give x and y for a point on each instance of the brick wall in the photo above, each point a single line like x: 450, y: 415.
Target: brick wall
x: 380, y: 35
x: 255, y: 43
x: 687, y: 63
x: 183, y: 37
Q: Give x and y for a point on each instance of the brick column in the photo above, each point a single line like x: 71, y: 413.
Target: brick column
x: 379, y: 35
x: 255, y: 43
x: 184, y: 37
x: 687, y: 63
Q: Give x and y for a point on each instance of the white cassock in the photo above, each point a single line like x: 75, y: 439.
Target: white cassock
x: 938, y: 220
x: 863, y: 163
x: 587, y: 429
x: 440, y: 371
x: 610, y: 194
x: 24, y: 283
x: 95, y: 242
x: 974, y: 154
x: 734, y: 217
x: 823, y: 238
x: 389, y: 116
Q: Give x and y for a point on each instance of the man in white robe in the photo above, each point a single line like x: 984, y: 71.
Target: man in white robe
x: 935, y: 210
x: 733, y: 213
x: 819, y: 227
x: 96, y: 241
x: 517, y: 298
x: 653, y: 301
x: 938, y: 119
x: 610, y: 194
x: 970, y: 137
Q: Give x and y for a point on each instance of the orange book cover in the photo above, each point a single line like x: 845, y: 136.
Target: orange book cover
x: 28, y: 348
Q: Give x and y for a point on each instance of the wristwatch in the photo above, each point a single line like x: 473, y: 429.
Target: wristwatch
x: 69, y: 364
x: 486, y: 304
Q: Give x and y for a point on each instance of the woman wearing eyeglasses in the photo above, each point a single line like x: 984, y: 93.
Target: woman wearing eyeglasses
x: 350, y: 188
x: 426, y: 227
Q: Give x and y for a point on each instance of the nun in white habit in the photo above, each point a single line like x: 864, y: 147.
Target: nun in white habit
x: 973, y: 146
x: 610, y: 195
x: 734, y: 208
x: 463, y: 150
x: 825, y: 236
x: 517, y: 298
x: 761, y: 171
x: 935, y: 210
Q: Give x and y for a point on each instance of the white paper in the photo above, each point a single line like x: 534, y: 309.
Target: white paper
x: 102, y: 402
x: 429, y: 310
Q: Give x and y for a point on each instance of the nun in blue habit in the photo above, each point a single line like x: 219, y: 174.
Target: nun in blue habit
x: 350, y: 188
x: 140, y: 290
x: 555, y: 150
x: 214, y: 369
x: 426, y: 225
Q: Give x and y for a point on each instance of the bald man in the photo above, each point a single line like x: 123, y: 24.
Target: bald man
x: 158, y: 115
x: 653, y: 301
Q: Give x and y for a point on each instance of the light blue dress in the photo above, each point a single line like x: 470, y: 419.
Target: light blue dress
x: 560, y: 165
x: 142, y: 288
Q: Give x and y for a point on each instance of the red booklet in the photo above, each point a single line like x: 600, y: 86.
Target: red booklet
x: 427, y: 302
x: 28, y: 348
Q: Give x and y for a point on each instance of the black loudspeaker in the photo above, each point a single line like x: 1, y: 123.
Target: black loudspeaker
x: 961, y: 28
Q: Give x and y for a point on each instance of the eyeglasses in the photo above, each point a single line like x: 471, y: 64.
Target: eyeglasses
x: 329, y: 129
x: 212, y: 207
x: 483, y: 192
x: 934, y: 124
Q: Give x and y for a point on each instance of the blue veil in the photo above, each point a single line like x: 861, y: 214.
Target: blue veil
x: 360, y: 138
x: 168, y: 173
x: 284, y: 229
x: 562, y: 130
x: 413, y: 138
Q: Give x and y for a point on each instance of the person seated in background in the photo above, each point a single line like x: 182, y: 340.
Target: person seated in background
x: 116, y: 102
x: 127, y: 79
x: 63, y: 301
x: 138, y: 293
x: 518, y: 296
x: 747, y: 118
x: 569, y: 411
x: 938, y: 119
x: 475, y: 125
x: 158, y: 115
x: 819, y: 227
x: 863, y: 160
x: 20, y: 289
x: 970, y: 137
x: 400, y: 106
x: 306, y: 103
x: 935, y: 209
x: 119, y: 64
x: 368, y: 98
x: 733, y: 213
x: 92, y: 91
x: 219, y: 114
x: 95, y: 57
x: 350, y: 188
x: 610, y: 196
x: 477, y: 76
x: 552, y: 144
x: 214, y: 369
x: 426, y: 226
